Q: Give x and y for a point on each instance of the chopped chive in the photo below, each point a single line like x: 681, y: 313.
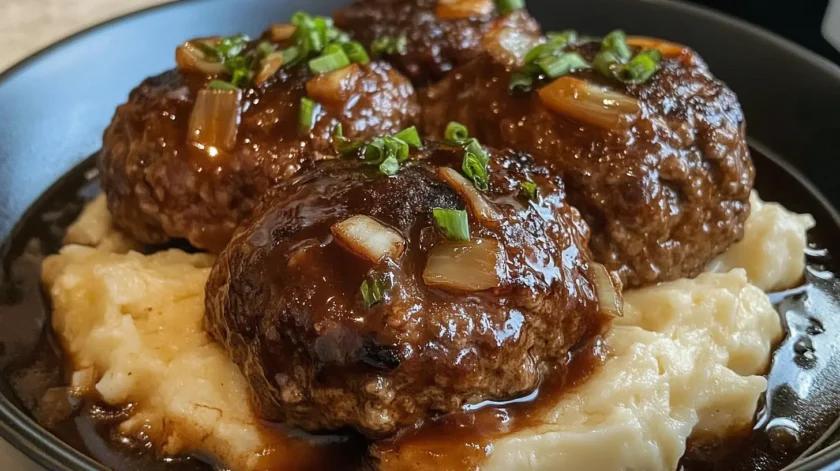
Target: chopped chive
x: 390, y: 165
x: 306, y: 118
x: 507, y: 6
x: 563, y: 64
x: 411, y: 137
x: 343, y: 145
x: 616, y: 42
x: 221, y: 85
x: 373, y: 291
x: 452, y: 223
x: 476, y: 169
x: 328, y: 62
x: 455, y: 133
x: 356, y: 52
x: 641, y: 68
x: 528, y: 190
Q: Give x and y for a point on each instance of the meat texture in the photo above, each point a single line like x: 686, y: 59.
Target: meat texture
x: 458, y: 322
x: 162, y: 185
x: 435, y: 35
x: 660, y: 170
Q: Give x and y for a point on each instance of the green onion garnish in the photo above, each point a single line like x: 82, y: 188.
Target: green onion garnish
x: 605, y: 61
x: 641, y: 67
x: 521, y: 83
x: 373, y: 291
x: 507, y: 6
x: 390, y: 166
x: 221, y: 85
x: 306, y: 117
x: 456, y: 133
x: 563, y: 64
x: 397, y: 148
x: 528, y: 190
x: 452, y: 223
x: 616, y: 42
x: 562, y: 37
x: 328, y: 62
x: 411, y: 137
x: 265, y: 48
x: 343, y: 145
x: 390, y: 46
x: 475, y: 168
x: 356, y: 52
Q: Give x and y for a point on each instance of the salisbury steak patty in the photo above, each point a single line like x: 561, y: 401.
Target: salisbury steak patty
x: 345, y: 307
x: 660, y: 170
x: 425, y: 39
x: 164, y: 180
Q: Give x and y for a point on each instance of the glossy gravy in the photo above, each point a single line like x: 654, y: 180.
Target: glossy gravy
x: 801, y: 403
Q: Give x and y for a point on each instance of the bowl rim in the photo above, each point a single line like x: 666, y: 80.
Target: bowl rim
x: 36, y: 443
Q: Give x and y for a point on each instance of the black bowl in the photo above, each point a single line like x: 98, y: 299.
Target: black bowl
x: 55, y: 105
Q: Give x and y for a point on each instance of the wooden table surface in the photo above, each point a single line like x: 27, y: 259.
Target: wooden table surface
x: 25, y: 27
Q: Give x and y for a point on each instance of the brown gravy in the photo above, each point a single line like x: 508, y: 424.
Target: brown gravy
x: 801, y: 403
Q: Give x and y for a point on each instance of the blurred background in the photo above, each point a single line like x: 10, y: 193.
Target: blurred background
x: 29, y: 25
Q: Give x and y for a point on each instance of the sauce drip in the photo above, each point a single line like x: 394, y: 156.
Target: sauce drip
x: 801, y: 403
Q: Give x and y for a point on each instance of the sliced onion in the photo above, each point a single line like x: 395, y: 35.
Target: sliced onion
x: 282, y: 32
x: 268, y: 67
x: 191, y: 58
x: 589, y: 103
x: 608, y: 290
x: 463, y: 266
x: 334, y: 87
x: 481, y: 209
x: 214, y: 122
x: 368, y: 238
x: 668, y: 49
x: 457, y: 9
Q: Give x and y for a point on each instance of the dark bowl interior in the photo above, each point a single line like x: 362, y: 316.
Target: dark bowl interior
x: 55, y: 105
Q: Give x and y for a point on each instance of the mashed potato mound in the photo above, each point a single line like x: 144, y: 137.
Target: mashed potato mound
x: 773, y: 247
x: 684, y: 360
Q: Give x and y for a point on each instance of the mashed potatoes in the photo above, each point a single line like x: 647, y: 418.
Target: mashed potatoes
x: 685, y: 359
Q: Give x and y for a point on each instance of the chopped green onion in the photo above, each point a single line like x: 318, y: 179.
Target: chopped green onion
x: 291, y: 55
x: 616, y: 42
x: 343, y: 145
x: 390, y: 165
x: 374, y: 152
x: 221, y: 85
x: 456, y: 133
x: 641, y: 67
x: 411, y: 137
x: 265, y: 48
x: 452, y: 223
x: 328, y: 62
x: 543, y: 50
x: 563, y: 37
x: 563, y: 64
x: 473, y: 146
x: 373, y: 291
x: 396, y: 147
x: 306, y: 118
x: 508, y: 6
x: 476, y: 169
x: 604, y: 63
x: 356, y: 52
x: 388, y: 45
x: 529, y: 190
x: 521, y: 83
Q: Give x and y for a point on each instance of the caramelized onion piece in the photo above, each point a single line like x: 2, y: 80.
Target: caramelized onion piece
x: 334, y: 87
x: 608, y: 290
x: 458, y: 9
x: 268, y: 67
x: 668, y: 49
x: 480, y: 208
x: 214, y: 122
x: 282, y: 32
x: 589, y: 103
x: 190, y: 58
x: 463, y: 266
x: 368, y: 238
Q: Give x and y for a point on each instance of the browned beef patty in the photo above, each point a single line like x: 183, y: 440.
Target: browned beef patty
x: 663, y: 189
x: 459, y: 322
x: 160, y: 187
x: 437, y: 39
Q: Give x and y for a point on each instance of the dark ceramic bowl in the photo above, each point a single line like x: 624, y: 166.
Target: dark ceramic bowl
x: 55, y: 105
